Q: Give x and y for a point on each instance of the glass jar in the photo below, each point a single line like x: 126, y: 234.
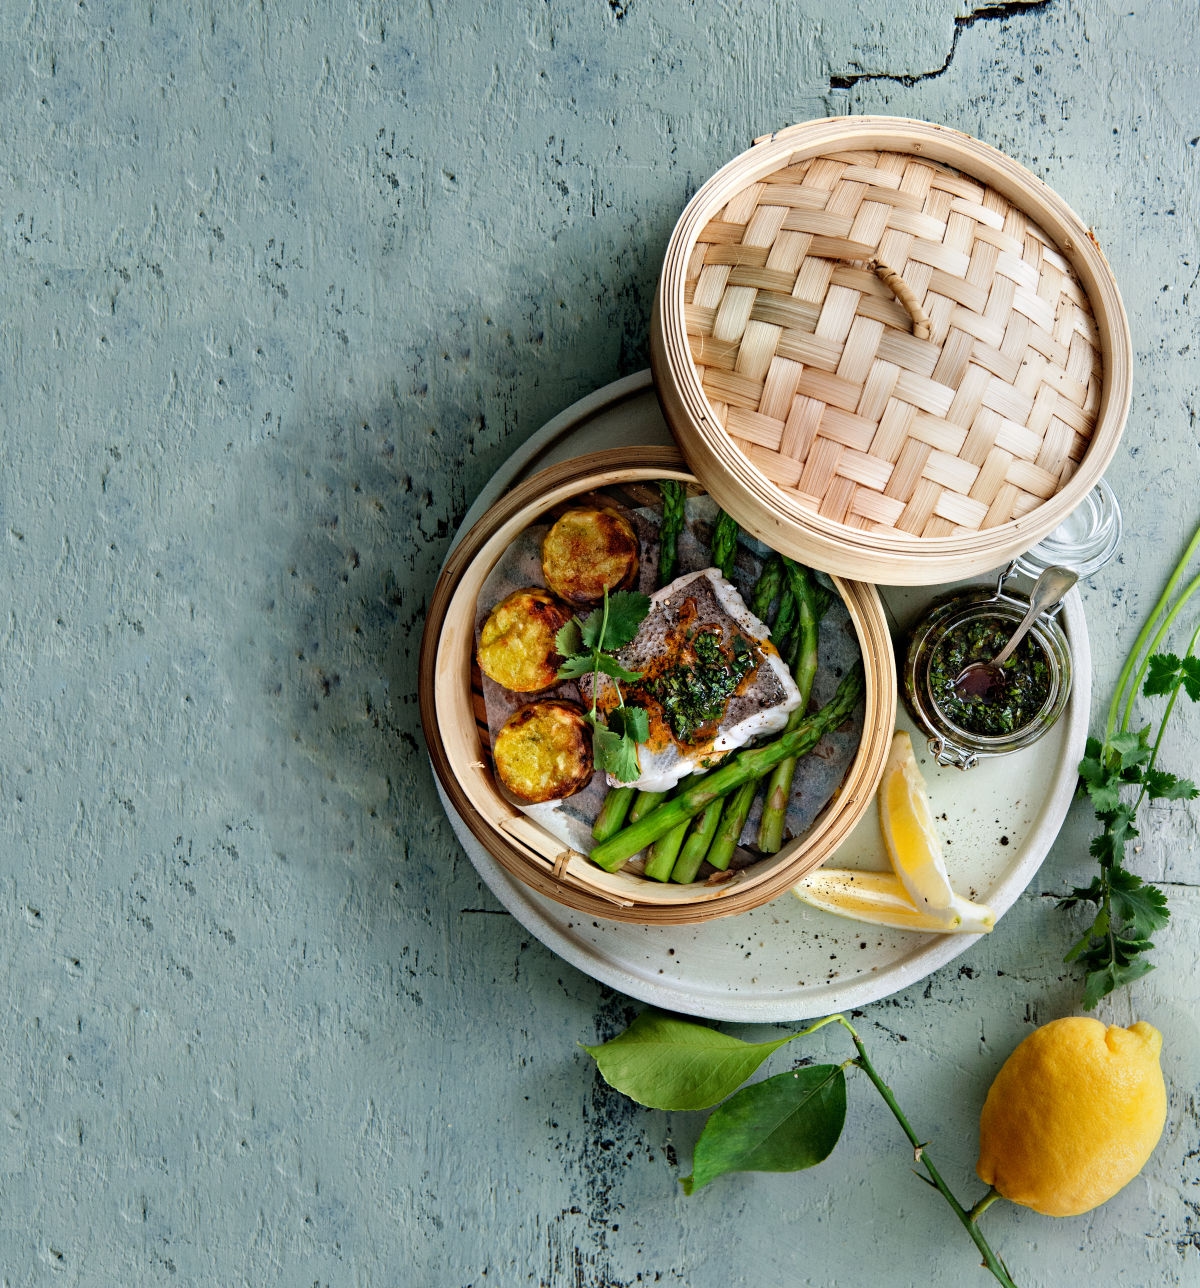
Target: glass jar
x: 1084, y: 541
x: 1045, y: 657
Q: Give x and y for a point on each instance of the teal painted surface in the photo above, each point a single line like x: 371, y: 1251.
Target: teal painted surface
x: 282, y: 286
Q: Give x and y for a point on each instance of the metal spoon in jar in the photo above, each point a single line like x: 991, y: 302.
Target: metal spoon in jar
x: 980, y: 679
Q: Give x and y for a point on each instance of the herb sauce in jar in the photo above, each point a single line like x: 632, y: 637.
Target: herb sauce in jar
x: 1010, y: 706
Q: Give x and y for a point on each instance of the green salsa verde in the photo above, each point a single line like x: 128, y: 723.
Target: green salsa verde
x: 1011, y: 706
x: 694, y: 694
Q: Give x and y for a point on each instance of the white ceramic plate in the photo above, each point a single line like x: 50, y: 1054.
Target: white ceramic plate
x: 787, y: 961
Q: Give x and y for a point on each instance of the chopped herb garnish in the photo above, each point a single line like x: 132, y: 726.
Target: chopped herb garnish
x: 1008, y: 707
x: 695, y: 693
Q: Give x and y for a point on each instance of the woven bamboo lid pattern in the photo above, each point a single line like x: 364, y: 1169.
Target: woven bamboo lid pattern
x: 905, y: 352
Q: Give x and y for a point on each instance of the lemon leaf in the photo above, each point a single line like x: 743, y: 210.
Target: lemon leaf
x: 667, y: 1063
x: 783, y: 1124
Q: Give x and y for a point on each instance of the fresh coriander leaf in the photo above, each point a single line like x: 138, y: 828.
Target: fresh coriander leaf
x: 614, y: 753
x: 1162, y: 674
x: 1109, y: 846
x: 667, y: 1063
x: 1103, y: 788
x: 1132, y: 747
x: 1125, y: 949
x: 1140, y: 906
x: 627, y: 610
x: 1099, y: 983
x: 1081, y: 946
x: 786, y: 1123
x: 1163, y: 786
x: 610, y: 666
x: 1093, y: 893
x: 574, y: 667
x: 1091, y: 768
x: 635, y: 722
x: 591, y: 629
x: 1191, y: 677
x: 569, y: 641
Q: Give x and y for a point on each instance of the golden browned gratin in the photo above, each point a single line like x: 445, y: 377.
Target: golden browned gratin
x: 544, y: 752
x: 516, y: 644
x: 588, y: 550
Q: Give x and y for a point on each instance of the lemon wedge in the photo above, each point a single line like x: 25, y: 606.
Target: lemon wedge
x: 881, y: 898
x: 909, y: 832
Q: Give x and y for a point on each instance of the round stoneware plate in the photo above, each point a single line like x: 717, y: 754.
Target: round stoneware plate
x: 786, y: 961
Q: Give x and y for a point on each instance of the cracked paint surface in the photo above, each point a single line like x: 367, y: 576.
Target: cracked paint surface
x: 283, y: 285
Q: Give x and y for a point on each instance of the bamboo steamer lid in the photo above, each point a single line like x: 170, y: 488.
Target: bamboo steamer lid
x: 889, y: 350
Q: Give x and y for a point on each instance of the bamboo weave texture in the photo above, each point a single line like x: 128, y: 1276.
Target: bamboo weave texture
x: 809, y: 359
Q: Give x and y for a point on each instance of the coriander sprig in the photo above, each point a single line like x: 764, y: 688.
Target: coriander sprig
x: 587, y: 645
x: 1119, y: 773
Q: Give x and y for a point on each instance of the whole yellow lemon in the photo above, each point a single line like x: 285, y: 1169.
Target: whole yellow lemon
x: 1073, y: 1115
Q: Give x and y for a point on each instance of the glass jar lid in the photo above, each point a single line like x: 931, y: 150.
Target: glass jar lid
x: 1085, y: 540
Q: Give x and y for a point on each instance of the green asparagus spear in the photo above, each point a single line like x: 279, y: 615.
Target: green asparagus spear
x: 786, y: 620
x: 733, y: 819
x: 748, y: 765
x: 674, y: 501
x: 696, y: 843
x: 804, y: 669
x: 724, y: 543
x: 644, y: 802
x: 613, y: 812
x: 767, y: 588
x: 661, y: 856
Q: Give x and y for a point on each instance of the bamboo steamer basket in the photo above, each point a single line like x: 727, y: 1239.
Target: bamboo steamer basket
x: 889, y: 350
x: 456, y: 726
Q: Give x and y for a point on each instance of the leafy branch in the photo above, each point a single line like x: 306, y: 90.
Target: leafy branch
x: 588, y: 645
x: 1119, y: 773
x: 782, y: 1124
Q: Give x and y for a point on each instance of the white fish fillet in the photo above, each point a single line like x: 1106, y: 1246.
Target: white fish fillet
x: 761, y: 706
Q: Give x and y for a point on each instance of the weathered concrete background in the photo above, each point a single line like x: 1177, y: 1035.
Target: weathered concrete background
x: 282, y: 285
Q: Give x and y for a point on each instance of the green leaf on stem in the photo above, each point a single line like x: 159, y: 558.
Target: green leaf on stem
x: 1099, y: 983
x: 569, y: 639
x: 632, y: 722
x: 1191, y: 677
x: 574, y: 667
x: 1139, y: 906
x: 1132, y: 748
x: 1161, y: 786
x: 784, y: 1124
x: 627, y: 610
x: 1103, y: 787
x: 667, y: 1063
x: 610, y: 666
x: 1163, y: 673
x: 614, y: 753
